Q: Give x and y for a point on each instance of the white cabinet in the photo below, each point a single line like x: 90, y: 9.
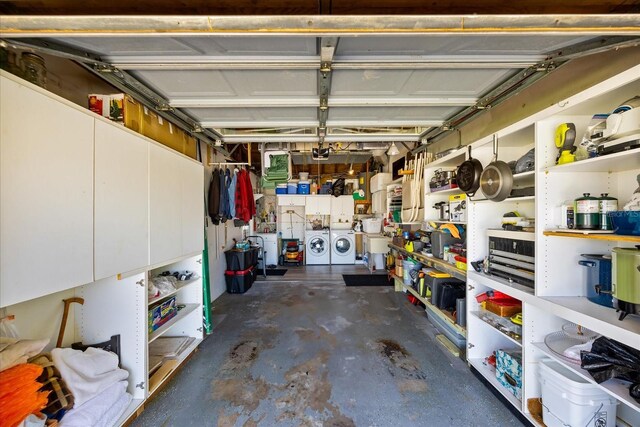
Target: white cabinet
x: 342, y: 206
x: 165, y: 211
x: 291, y: 200
x: 379, y: 202
x: 270, y: 248
x: 176, y: 205
x: 46, y: 187
x: 192, y: 180
x: 121, y: 201
x: 318, y: 205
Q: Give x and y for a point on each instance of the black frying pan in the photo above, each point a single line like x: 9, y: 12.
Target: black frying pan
x: 468, y: 175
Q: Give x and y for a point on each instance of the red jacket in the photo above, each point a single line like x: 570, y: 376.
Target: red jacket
x: 245, y: 204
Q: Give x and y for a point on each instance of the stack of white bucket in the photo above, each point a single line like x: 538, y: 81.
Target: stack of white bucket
x: 570, y: 400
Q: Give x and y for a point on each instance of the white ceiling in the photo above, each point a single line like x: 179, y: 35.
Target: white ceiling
x: 268, y: 81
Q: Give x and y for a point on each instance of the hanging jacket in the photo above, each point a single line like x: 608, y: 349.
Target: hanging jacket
x: 250, y: 199
x: 242, y: 206
x: 231, y: 189
x: 224, y: 197
x: 214, y: 197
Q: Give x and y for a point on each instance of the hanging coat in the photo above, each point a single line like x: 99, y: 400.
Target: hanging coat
x: 231, y: 189
x: 214, y: 197
x: 250, y: 199
x: 224, y: 197
x: 242, y: 206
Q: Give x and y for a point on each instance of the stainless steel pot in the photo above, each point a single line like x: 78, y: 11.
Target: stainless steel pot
x: 496, y: 180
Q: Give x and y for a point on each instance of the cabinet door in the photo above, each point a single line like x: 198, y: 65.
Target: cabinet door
x: 347, y: 205
x: 165, y: 210
x: 192, y: 206
x: 121, y: 201
x: 46, y: 188
x: 324, y: 205
x: 311, y: 205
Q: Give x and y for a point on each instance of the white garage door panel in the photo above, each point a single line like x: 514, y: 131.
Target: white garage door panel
x: 392, y: 113
x: 243, y: 114
x: 46, y: 184
x: 234, y: 83
x: 121, y: 200
x: 406, y: 83
x: 125, y: 49
x: 449, y: 46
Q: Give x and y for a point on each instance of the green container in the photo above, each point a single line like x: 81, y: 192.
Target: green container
x: 625, y: 279
x: 606, y: 204
x: 587, y: 212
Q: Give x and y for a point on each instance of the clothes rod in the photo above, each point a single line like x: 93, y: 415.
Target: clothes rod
x: 229, y: 164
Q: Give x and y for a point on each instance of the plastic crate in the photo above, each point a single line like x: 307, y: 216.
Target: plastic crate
x: 239, y: 282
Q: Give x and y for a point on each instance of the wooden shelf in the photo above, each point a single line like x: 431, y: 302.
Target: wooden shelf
x: 489, y: 373
x: 167, y: 374
x: 616, y: 162
x: 614, y: 387
x: 188, y: 309
x: 179, y: 286
x: 447, y: 317
x: 433, y: 262
x: 606, y: 237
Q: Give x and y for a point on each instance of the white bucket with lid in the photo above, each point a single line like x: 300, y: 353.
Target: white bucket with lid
x: 570, y: 400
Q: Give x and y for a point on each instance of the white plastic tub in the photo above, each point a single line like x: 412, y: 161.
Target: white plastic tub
x: 372, y: 225
x: 570, y: 400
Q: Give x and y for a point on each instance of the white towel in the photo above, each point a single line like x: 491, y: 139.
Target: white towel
x: 102, y: 410
x: 88, y: 372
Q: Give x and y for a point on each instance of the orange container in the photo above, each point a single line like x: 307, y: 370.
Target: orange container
x: 503, y: 308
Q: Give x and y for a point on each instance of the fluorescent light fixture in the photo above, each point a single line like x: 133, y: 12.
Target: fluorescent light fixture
x: 393, y: 150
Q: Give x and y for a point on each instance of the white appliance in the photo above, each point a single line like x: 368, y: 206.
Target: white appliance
x: 318, y: 247
x: 343, y: 247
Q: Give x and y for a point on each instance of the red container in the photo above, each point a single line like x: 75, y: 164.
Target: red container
x: 240, y: 281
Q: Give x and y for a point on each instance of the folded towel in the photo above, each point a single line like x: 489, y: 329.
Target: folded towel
x: 14, y: 352
x: 115, y: 412
x: 88, y: 372
x: 98, y: 411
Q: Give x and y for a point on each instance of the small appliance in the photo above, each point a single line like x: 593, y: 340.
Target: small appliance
x: 625, y: 280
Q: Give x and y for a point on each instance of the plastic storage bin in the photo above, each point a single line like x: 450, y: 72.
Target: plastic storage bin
x: 626, y: 222
x: 304, y: 187
x: 241, y: 260
x: 371, y: 225
x: 408, y: 265
x: 568, y: 399
x: 239, y: 282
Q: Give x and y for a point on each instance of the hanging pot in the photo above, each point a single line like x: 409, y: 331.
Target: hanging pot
x: 496, y: 180
x: 468, y: 175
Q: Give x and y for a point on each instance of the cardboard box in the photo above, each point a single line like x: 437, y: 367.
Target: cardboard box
x: 509, y: 370
x: 123, y: 108
x: 161, y: 313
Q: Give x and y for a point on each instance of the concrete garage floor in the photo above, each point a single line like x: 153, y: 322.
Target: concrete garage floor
x: 318, y: 353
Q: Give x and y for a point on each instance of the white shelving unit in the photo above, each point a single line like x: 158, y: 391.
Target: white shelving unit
x: 559, y: 293
x: 124, y: 219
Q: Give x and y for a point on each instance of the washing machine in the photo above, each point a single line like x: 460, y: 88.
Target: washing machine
x: 343, y: 247
x: 317, y: 243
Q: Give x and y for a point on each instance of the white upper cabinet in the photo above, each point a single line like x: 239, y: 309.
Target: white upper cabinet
x: 165, y: 210
x: 342, y: 207
x: 192, y: 205
x: 318, y: 205
x: 46, y: 188
x: 291, y: 200
x: 121, y: 201
x: 176, y: 204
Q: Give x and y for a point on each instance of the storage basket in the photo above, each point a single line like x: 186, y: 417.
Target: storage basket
x: 568, y: 399
x: 371, y: 225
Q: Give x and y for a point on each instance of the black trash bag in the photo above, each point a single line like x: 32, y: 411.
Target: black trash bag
x: 337, y: 189
x: 611, y: 359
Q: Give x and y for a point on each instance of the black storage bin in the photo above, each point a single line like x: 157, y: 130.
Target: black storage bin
x: 435, y: 283
x: 239, y: 282
x: 241, y: 260
x: 448, y: 294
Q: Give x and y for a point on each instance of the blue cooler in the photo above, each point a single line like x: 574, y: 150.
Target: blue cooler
x: 292, y: 188
x: 281, y: 189
x: 304, y: 187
